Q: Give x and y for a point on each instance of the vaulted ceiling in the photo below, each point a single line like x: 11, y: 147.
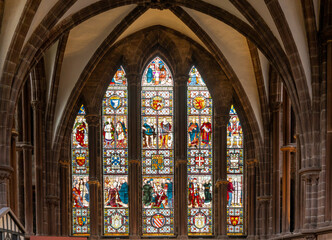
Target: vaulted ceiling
x: 229, y: 25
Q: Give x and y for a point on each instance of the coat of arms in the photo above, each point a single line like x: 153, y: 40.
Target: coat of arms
x: 80, y: 159
x: 157, y: 103
x: 82, y: 221
x: 200, y: 220
x: 115, y: 102
x: 234, y: 220
x: 157, y: 162
x: 116, y: 221
x: 115, y: 161
x: 158, y: 220
x: 199, y: 160
x: 199, y: 102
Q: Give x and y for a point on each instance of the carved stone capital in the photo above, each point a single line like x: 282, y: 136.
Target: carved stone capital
x: 14, y: 133
x: 160, y: 4
x: 64, y: 164
x: 24, y: 146
x: 52, y: 200
x: 37, y: 105
x: 180, y: 162
x: 220, y: 182
x: 311, y: 237
x: 221, y: 120
x: 275, y: 106
x: 93, y: 120
x: 94, y: 182
x: 251, y: 163
x: 133, y: 79
x: 288, y: 148
x: 134, y: 161
x: 181, y: 80
x: 5, y: 173
x: 264, y: 199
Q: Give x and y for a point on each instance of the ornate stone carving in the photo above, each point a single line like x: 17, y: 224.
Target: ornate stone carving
x: 93, y: 120
x: 52, y: 200
x: 134, y: 161
x: 221, y: 120
x: 37, y: 105
x: 64, y: 164
x: 220, y: 182
x: 251, y: 163
x: 160, y: 4
x: 23, y: 146
x: 179, y: 162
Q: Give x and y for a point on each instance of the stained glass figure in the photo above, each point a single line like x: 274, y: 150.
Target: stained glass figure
x: 235, y: 211
x: 115, y: 156
x: 199, y: 155
x: 80, y: 175
x: 157, y: 149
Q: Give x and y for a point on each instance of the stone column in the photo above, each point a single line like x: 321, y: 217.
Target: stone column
x: 94, y: 182
x: 134, y: 158
x: 38, y: 154
x: 286, y: 165
x: 65, y: 197
x: 329, y: 130
x: 180, y: 134
x: 220, y: 136
x: 276, y: 172
x: 251, y: 196
x: 13, y: 180
x: 27, y: 148
x: 5, y: 173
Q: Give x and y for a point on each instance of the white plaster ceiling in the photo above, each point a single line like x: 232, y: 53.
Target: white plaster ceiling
x: 264, y: 12
x: 165, y: 18
x: 228, y: 6
x: 49, y: 64
x: 234, y: 47
x: 44, y: 7
x: 12, y: 13
x: 83, y: 41
x: 294, y: 16
x: 265, y: 65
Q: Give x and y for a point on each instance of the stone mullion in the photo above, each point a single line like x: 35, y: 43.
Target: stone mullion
x: 329, y: 130
x: 26, y: 147
x: 14, y: 177
x: 65, y: 197
x: 38, y: 154
x: 180, y: 143
x: 134, y: 144
x: 251, y: 192
x: 276, y: 176
x: 94, y: 176
x: 220, y: 157
x: 286, y: 171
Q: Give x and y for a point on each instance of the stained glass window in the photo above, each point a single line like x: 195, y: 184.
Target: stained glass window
x: 234, y: 175
x: 157, y: 149
x: 199, y: 155
x: 80, y: 175
x: 115, y: 156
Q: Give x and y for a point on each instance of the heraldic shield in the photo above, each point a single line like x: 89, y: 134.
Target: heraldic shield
x: 115, y: 102
x: 157, y: 162
x: 116, y: 221
x: 82, y: 221
x: 157, y: 103
x: 158, y: 220
x: 234, y: 220
x: 200, y: 220
x: 80, y: 159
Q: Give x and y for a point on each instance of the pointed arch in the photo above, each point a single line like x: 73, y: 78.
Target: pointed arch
x: 80, y: 175
x: 157, y: 149
x: 115, y: 156
x: 199, y: 155
x: 235, y: 175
